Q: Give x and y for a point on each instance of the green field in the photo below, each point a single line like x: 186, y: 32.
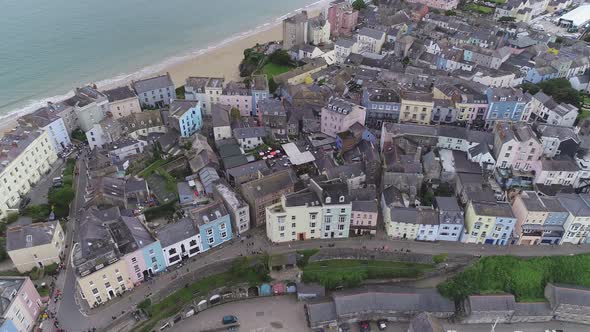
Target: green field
x: 151, y: 168
x: 478, y: 8
x: 350, y: 273
x: 525, y: 278
x: 272, y: 70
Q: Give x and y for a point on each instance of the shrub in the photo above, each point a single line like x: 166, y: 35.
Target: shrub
x: 37, y: 212
x: 11, y: 217
x: 51, y: 269
x: 440, y: 258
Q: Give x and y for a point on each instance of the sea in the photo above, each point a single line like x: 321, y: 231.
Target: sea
x: 49, y: 47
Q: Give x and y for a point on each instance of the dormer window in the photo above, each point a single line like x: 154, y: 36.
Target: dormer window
x: 328, y: 200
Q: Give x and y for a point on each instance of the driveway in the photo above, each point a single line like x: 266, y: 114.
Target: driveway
x: 39, y: 194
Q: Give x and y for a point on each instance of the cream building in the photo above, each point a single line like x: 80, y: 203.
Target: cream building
x: 297, y: 216
x: 420, y: 223
x: 577, y: 224
x: 122, y: 101
x: 26, y: 154
x: 416, y: 107
x: 105, y: 283
x: 35, y: 245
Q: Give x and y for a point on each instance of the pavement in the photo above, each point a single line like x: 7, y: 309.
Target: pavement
x: 39, y: 194
x: 73, y: 315
x: 285, y: 313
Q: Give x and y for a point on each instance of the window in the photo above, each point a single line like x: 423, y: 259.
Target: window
x: 107, y: 284
x: 209, y: 231
x: 223, y: 235
x: 210, y: 240
x: 293, y: 225
x: 119, y: 279
x: 94, y: 291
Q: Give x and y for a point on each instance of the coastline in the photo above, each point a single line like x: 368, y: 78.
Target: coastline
x: 220, y: 60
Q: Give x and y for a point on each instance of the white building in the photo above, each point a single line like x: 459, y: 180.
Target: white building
x: 562, y: 172
x: 47, y: 119
x: 179, y: 240
x: 249, y: 137
x: 322, y: 212
x: 544, y: 109
x: 106, y: 131
x: 25, y: 157
x: 370, y: 40
x: 90, y: 106
x: 343, y: 48
x: 318, y: 30
x: 125, y: 147
x: 220, y: 119
x: 238, y: 209
x: 577, y: 224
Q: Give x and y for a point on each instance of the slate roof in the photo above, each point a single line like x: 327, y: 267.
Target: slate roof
x: 492, y: 209
x: 269, y: 184
x: 372, y: 33
x: 569, y: 294
x: 153, y: 83
x: 220, y: 115
x: 420, y: 215
x: 365, y: 206
x: 249, y: 132
x: 503, y: 302
x: 27, y: 236
x: 248, y: 168
x: 560, y: 132
x: 120, y: 93
x: 176, y: 232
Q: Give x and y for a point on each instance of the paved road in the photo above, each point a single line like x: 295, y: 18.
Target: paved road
x: 73, y: 317
x: 285, y: 313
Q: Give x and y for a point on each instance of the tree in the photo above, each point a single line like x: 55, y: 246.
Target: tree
x: 506, y: 19
x: 359, y: 4
x: 406, y: 61
x: 450, y: 13
x: 281, y: 58
x: 235, y: 113
x: 272, y: 85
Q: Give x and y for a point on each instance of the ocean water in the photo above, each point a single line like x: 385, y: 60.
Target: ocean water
x: 49, y: 47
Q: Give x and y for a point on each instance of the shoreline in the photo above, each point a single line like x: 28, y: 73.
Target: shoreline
x: 220, y: 59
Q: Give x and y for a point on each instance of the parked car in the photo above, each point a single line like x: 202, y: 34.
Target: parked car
x: 229, y: 319
x: 24, y: 202
x: 344, y: 327
x: 381, y: 324
x: 365, y: 326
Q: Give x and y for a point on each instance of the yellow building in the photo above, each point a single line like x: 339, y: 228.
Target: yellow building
x: 25, y: 156
x: 299, y: 74
x: 477, y: 226
x: 105, y: 283
x: 35, y: 245
x: 416, y: 107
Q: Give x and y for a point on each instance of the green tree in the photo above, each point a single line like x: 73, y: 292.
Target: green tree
x: 359, y: 4
x: 450, y: 13
x: 235, y: 114
x: 272, y: 85
x: 281, y: 58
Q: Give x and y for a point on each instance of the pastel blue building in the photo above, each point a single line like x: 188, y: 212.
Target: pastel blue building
x: 382, y: 105
x: 501, y: 233
x: 505, y: 104
x: 214, y: 224
x: 154, y: 257
x: 556, y: 217
x: 259, y: 91
x: 185, y: 117
x: 8, y: 326
x: 536, y: 75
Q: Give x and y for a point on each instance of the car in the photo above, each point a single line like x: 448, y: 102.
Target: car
x: 365, y: 326
x: 344, y: 327
x: 229, y: 319
x: 381, y: 324
x: 233, y: 328
x: 24, y: 202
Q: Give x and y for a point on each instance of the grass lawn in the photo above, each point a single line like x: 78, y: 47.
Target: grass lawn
x: 525, y: 278
x: 586, y: 100
x: 151, y: 168
x: 240, y: 272
x: 271, y: 70
x: 350, y: 272
x: 584, y: 113
x: 478, y: 8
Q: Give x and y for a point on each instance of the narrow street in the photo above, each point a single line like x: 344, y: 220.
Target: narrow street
x: 75, y: 316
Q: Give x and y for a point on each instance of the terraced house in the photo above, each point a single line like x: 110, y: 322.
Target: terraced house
x: 489, y: 223
x: 25, y: 156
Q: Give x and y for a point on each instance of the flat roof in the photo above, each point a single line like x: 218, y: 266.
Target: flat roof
x: 577, y: 16
x: 297, y: 157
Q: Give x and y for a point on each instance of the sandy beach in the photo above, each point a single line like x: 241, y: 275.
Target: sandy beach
x: 222, y: 61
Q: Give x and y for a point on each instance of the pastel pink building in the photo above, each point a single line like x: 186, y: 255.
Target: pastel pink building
x: 342, y: 17
x: 237, y: 95
x: 439, y: 4
x: 340, y: 115
x: 363, y: 218
x: 21, y: 304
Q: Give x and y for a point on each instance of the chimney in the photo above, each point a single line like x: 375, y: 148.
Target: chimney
x: 418, y: 154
